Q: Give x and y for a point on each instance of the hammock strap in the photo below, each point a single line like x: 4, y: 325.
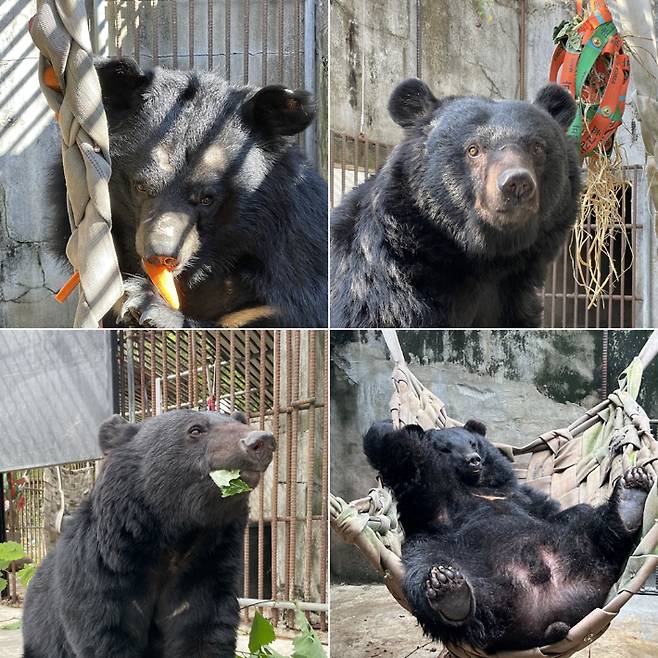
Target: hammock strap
x: 70, y: 84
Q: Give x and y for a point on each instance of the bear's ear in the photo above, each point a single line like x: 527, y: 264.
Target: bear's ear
x: 558, y: 102
x: 411, y: 100
x: 122, y: 82
x: 476, y: 426
x: 239, y: 416
x: 413, y: 430
x: 114, y: 432
x: 276, y: 110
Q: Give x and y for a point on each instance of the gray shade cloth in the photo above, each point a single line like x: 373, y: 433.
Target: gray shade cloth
x: 60, y: 31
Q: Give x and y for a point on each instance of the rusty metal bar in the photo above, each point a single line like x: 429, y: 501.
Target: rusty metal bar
x: 276, y: 406
x: 152, y: 408
x: 142, y: 374
x: 204, y: 371
x: 247, y: 373
x: 292, y: 459
x: 324, y: 494
x: 261, y: 488
x: 177, y: 369
x: 310, y: 447
x: 165, y: 372
x: 232, y: 369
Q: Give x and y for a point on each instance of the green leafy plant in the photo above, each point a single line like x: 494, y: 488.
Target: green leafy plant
x: 261, y: 636
x: 229, y: 482
x: 11, y: 551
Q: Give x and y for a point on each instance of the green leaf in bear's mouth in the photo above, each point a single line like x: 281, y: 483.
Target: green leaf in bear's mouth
x: 229, y: 482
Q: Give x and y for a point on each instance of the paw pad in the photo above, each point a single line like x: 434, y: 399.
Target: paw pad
x: 441, y: 580
x: 638, y: 478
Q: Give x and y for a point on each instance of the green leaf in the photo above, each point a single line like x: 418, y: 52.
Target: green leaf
x: 26, y: 573
x: 11, y: 626
x: 306, y: 644
x: 229, y: 482
x: 262, y: 633
x: 3, y: 584
x: 10, y: 551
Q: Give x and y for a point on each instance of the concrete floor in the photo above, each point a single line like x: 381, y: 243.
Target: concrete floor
x: 11, y: 641
x: 366, y: 622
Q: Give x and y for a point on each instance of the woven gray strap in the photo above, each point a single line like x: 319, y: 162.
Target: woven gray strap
x: 60, y: 32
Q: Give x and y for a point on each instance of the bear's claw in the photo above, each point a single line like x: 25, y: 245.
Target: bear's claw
x: 449, y: 594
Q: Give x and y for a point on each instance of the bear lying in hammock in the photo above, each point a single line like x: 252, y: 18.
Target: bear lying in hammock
x: 490, y: 562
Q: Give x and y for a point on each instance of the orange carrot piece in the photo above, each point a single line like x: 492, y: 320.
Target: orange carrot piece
x: 68, y: 288
x: 164, y: 281
x: 50, y: 79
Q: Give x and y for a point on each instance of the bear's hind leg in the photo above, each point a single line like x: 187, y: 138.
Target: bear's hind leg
x: 449, y: 594
x: 634, y: 487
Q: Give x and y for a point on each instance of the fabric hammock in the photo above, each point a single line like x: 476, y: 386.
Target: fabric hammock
x: 576, y: 464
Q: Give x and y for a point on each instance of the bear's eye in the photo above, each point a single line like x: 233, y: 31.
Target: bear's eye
x: 195, y: 430
x: 206, y: 200
x: 473, y: 150
x: 140, y: 187
x: 538, y: 148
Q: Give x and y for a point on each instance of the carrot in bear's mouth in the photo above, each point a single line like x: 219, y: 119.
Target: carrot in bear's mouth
x: 163, y: 280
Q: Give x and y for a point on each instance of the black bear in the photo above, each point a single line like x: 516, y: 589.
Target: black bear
x: 489, y: 562
x: 206, y: 182
x: 459, y: 225
x: 149, y: 564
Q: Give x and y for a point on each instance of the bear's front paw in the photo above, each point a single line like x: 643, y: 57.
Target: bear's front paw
x: 449, y: 594
x: 144, y: 304
x: 638, y: 478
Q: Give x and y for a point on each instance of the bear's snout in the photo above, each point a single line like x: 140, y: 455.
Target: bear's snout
x: 259, y: 447
x: 517, y: 185
x: 474, y: 461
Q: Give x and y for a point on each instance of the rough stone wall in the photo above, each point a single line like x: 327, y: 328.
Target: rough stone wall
x: 519, y: 383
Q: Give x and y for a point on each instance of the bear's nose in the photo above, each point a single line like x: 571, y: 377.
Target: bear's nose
x: 517, y: 183
x: 257, y: 442
x: 170, y: 262
x: 473, y: 459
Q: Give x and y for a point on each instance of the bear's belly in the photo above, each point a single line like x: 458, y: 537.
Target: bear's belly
x: 477, y: 304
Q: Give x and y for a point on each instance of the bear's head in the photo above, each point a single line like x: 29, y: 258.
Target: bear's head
x: 495, y: 174
x: 187, y: 150
x: 470, y: 455
x: 169, y: 459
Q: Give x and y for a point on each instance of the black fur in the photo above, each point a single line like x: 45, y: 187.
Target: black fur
x: 262, y: 238
x: 149, y: 565
x: 490, y: 562
x: 411, y: 247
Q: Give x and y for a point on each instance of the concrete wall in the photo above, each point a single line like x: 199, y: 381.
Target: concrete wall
x: 520, y: 384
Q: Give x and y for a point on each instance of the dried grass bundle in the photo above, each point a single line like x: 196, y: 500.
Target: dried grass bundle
x: 600, y: 223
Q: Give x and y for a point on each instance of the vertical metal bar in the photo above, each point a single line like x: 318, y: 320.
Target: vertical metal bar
x: 142, y: 374
x: 276, y: 410
x: 622, y: 281
x: 210, y: 35
x: 190, y: 34
x: 100, y: 28
x: 122, y: 374
x: 247, y: 373
x: 165, y: 372
x: 310, y: 458
x: 155, y: 19
x: 174, y: 33
x: 263, y: 66
x: 281, y: 3
x: 204, y: 369
x: 136, y: 22
x: 218, y: 369
x: 130, y: 374
x: 191, y: 366
x: 178, y: 376
x: 262, y: 371
x: 634, y: 268
x: 227, y: 39
x: 245, y: 42
x: 153, y: 366
x: 324, y: 494
x: 342, y: 165
x: 289, y: 548
x: 231, y: 373
x: 310, y: 136
x: 419, y: 40
x: 297, y: 45
x: 355, y: 161
x: 332, y: 167
x: 522, y: 49
x: 293, y: 472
